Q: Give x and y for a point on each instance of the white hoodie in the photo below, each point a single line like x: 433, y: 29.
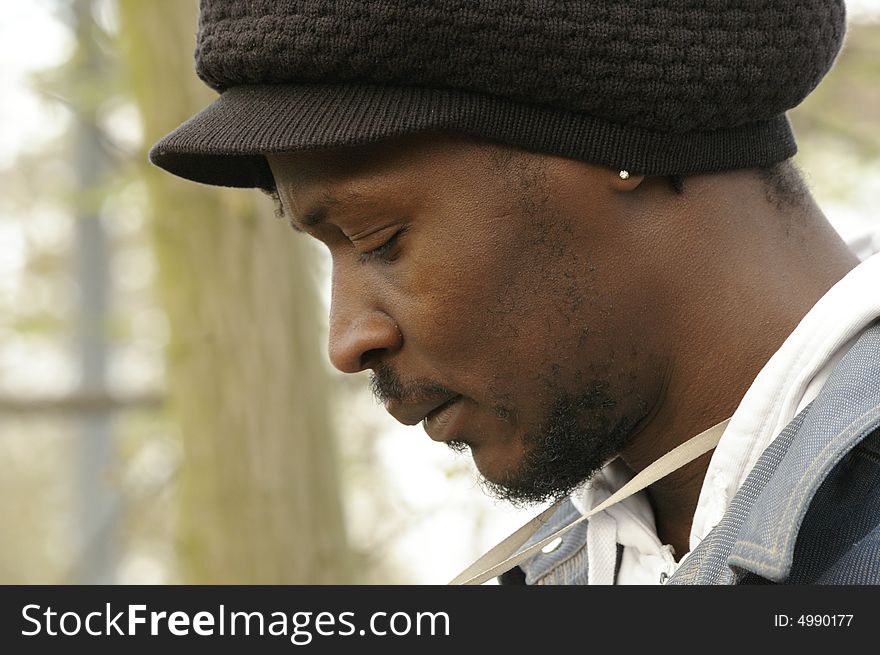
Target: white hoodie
x: 789, y: 381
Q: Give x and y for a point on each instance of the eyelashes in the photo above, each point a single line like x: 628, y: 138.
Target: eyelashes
x: 385, y: 252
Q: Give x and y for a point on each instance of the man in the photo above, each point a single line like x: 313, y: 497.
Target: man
x: 568, y: 236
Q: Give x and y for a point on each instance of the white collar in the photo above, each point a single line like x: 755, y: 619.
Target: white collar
x: 789, y: 381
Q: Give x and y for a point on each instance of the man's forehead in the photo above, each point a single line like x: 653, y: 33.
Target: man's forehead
x: 393, y: 154
x: 299, y: 169
x: 310, y: 210
x: 314, y: 186
x: 308, y: 181
x: 313, y: 183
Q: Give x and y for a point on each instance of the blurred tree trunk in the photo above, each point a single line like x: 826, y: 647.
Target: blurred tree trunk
x: 247, y: 381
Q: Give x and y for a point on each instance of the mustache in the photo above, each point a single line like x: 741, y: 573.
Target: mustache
x: 387, y: 386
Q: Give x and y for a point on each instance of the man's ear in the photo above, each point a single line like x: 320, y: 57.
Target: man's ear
x: 622, y: 180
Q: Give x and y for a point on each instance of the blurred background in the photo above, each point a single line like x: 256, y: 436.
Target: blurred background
x: 167, y: 411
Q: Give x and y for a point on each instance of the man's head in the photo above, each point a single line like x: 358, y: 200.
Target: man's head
x: 504, y: 283
x: 655, y: 87
x: 515, y: 303
x: 493, y: 284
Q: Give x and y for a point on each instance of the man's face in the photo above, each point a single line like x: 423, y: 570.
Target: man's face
x: 490, y: 293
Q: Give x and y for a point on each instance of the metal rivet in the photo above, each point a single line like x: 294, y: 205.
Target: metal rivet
x: 553, y: 545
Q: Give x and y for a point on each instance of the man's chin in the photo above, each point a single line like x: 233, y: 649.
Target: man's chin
x: 458, y: 447
x: 512, y: 482
x: 519, y: 494
x: 495, y: 468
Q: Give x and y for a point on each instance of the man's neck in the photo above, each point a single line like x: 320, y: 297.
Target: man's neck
x: 750, y: 280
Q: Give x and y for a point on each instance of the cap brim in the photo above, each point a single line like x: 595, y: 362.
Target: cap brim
x: 225, y: 143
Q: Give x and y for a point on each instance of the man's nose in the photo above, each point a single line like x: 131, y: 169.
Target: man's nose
x: 360, y: 336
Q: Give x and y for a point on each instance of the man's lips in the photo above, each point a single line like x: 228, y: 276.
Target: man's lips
x: 442, y: 424
x: 414, y: 413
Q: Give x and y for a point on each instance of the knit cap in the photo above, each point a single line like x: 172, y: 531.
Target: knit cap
x: 656, y: 87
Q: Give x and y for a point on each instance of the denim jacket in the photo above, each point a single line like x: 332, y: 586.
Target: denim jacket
x: 808, y: 512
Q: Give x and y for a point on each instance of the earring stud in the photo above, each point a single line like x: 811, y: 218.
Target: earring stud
x: 624, y: 175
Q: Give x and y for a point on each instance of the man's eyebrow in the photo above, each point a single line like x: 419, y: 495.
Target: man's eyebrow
x: 318, y: 212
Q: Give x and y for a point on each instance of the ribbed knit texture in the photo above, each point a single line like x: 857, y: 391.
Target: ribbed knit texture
x: 674, y: 86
